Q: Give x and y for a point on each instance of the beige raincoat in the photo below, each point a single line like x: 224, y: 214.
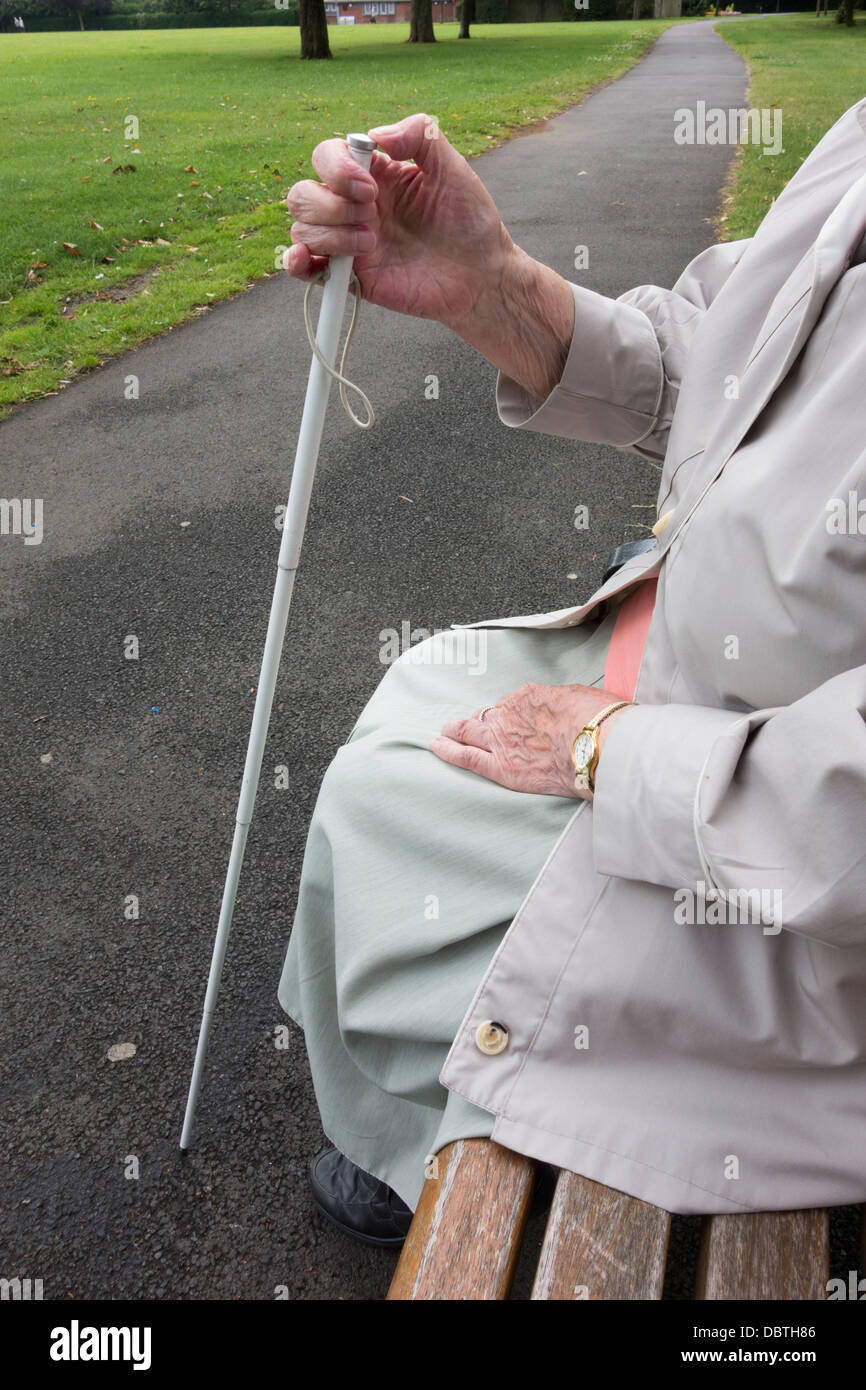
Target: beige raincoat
x: 665, y: 1042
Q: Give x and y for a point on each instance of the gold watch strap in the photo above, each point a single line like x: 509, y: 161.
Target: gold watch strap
x: 599, y: 718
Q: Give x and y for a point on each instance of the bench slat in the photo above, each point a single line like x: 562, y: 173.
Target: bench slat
x: 466, y: 1232
x: 601, y: 1244
x: 765, y: 1255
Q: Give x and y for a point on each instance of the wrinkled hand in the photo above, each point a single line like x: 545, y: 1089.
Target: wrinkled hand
x: 524, y: 741
x: 425, y: 235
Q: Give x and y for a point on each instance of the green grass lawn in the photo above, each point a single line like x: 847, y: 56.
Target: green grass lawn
x: 227, y: 120
x: 814, y: 70
x: 187, y: 209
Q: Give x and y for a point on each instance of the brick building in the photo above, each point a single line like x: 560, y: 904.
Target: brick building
x: 382, y: 11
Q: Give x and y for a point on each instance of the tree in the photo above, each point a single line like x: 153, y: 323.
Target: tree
x: 467, y: 17
x: 845, y: 13
x: 421, y: 22
x: 77, y: 7
x: 314, y: 29
x: 233, y: 8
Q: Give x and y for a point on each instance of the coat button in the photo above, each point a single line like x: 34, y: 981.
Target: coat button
x: 491, y: 1038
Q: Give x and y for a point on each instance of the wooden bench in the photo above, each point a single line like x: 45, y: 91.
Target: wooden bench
x: 468, y: 1228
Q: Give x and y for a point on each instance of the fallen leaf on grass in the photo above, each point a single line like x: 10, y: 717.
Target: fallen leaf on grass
x: 71, y: 247
x: 97, y: 226
x: 190, y: 169
x: 10, y: 366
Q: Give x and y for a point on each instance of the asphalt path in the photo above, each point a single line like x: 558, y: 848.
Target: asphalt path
x: 121, y: 775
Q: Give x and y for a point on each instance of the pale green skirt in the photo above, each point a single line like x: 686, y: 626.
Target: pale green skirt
x: 412, y: 874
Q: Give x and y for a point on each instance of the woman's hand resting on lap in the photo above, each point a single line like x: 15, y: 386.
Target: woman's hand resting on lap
x: 524, y: 741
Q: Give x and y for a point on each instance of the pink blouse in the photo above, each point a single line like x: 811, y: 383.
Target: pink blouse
x: 628, y: 640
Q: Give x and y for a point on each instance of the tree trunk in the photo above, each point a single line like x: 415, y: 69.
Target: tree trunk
x: 80, y: 20
x: 421, y: 23
x: 314, y: 29
x: 467, y: 17
x: 635, y: 13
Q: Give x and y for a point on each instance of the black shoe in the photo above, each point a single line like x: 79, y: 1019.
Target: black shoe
x: 361, y: 1205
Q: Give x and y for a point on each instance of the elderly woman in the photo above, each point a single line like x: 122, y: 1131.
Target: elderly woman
x: 606, y: 903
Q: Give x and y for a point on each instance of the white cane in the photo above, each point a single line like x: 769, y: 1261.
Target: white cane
x: 318, y: 390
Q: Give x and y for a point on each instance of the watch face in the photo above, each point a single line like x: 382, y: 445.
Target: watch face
x: 583, y: 751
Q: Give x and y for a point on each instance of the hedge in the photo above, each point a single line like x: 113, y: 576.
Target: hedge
x: 154, y: 19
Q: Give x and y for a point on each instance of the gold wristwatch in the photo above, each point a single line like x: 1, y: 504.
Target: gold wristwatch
x: 584, y: 750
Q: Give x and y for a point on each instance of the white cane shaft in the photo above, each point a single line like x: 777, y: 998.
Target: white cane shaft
x: 303, y: 473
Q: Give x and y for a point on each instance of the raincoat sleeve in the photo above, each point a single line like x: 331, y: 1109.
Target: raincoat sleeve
x: 772, y: 802
x: 625, y: 362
